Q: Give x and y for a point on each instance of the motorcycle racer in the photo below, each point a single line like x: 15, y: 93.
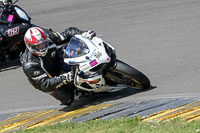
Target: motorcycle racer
x: 6, y: 2
x: 41, y: 62
x: 14, y: 22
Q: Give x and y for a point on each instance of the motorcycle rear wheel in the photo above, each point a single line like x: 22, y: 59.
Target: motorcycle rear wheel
x: 128, y: 76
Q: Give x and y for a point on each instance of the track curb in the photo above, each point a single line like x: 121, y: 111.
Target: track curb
x: 151, y: 110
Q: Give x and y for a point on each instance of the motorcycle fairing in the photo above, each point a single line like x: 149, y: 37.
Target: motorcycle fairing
x: 12, y: 34
x: 96, y: 54
x: 87, y: 54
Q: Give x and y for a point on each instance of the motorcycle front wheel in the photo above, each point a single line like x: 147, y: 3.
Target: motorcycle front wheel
x: 128, y: 76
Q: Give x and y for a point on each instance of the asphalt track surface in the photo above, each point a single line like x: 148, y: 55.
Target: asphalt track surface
x: 158, y: 37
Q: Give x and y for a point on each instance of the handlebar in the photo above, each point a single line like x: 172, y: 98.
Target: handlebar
x: 4, y: 21
x: 14, y: 2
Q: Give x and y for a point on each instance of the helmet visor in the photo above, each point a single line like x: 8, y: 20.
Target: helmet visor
x: 41, y: 47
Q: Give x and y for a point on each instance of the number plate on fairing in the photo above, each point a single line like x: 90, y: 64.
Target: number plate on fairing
x: 93, y: 63
x: 14, y: 31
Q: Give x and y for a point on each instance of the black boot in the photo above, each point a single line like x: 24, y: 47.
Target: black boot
x: 64, y: 94
x: 2, y: 58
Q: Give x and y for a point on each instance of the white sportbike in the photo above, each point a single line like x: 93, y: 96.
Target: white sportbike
x: 97, y: 69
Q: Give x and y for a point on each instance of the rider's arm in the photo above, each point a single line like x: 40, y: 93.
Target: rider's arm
x: 41, y: 80
x: 60, y: 38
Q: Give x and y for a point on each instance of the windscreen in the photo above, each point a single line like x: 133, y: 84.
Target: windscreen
x: 22, y: 14
x: 75, y: 48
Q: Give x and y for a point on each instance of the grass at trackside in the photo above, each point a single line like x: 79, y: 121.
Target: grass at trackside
x: 123, y: 125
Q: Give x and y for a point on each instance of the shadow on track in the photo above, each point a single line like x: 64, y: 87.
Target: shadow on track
x: 102, y: 97
x: 9, y: 65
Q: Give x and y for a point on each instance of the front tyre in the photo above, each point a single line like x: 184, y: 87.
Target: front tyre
x: 128, y: 76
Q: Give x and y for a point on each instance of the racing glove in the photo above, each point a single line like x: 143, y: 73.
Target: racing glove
x: 69, y: 77
x: 89, y: 34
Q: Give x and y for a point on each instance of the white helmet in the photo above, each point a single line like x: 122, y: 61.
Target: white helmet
x: 36, y: 41
x: 6, y: 2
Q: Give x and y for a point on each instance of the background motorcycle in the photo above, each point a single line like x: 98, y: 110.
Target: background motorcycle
x: 14, y: 23
x: 97, y: 69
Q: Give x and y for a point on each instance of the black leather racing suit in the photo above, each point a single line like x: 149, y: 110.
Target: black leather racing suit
x: 44, y: 72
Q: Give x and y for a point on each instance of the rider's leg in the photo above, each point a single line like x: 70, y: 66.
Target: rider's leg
x: 65, y: 94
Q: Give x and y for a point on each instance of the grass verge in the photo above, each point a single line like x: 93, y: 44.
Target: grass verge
x: 122, y: 125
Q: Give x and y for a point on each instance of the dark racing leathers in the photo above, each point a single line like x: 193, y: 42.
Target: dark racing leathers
x: 43, y: 72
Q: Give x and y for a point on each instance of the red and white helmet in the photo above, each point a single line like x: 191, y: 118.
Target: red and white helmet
x: 36, y: 41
